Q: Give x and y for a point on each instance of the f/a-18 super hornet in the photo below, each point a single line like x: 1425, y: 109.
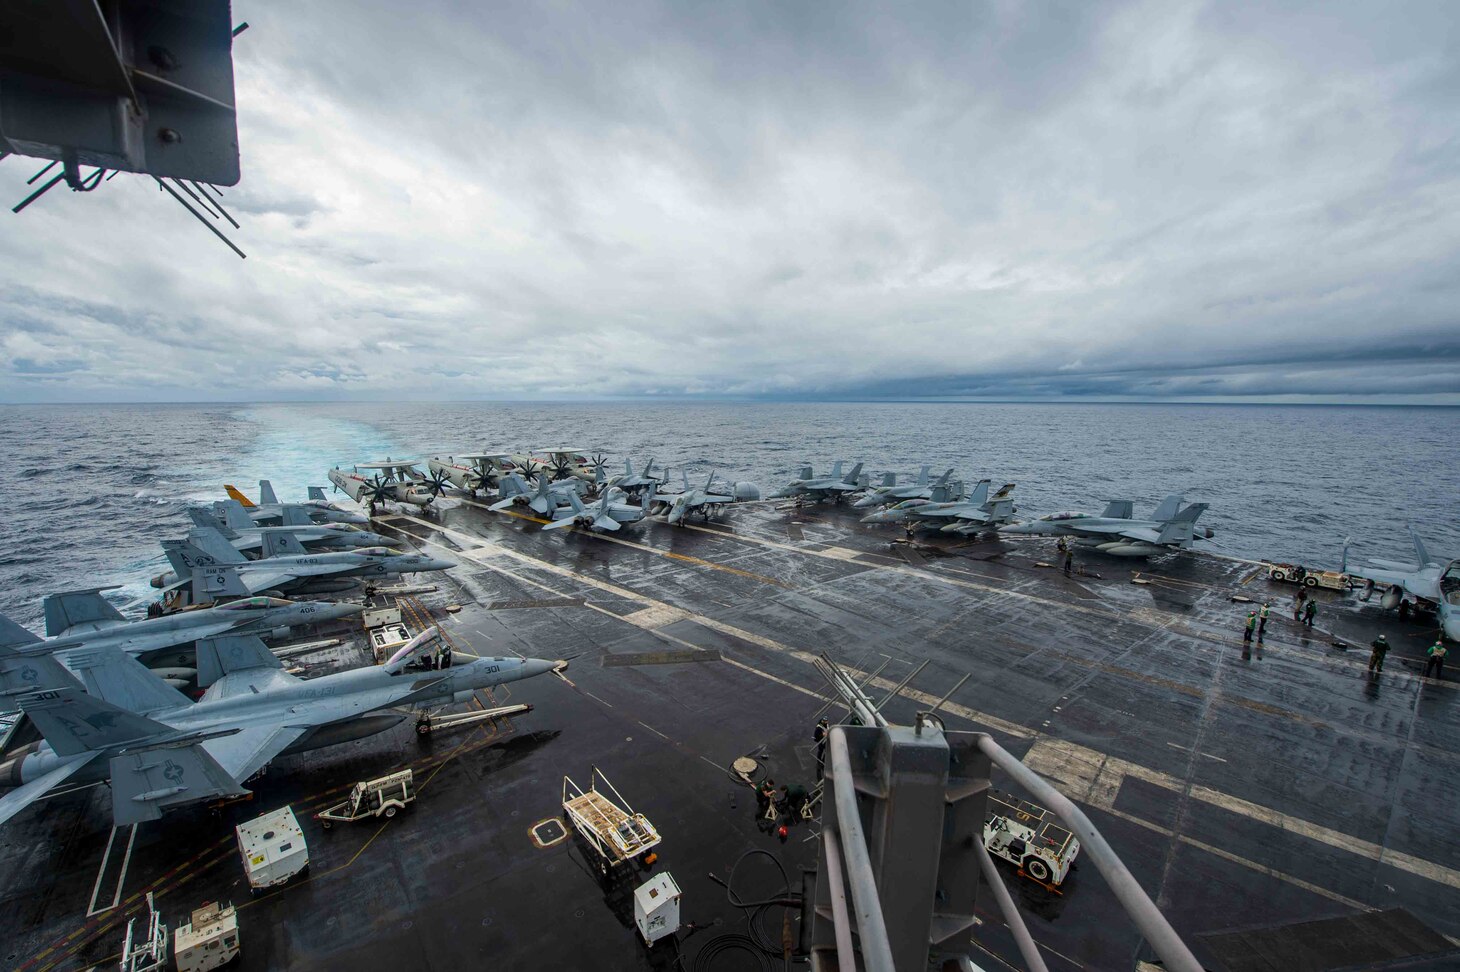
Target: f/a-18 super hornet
x: 209, y: 568
x: 979, y: 511
x: 835, y: 487
x: 1114, y: 532
x: 542, y: 497
x: 472, y: 471
x: 268, y: 511
x: 702, y: 499
x: 609, y: 512
x: 230, y: 519
x: 889, y: 492
x: 1431, y: 582
x: 630, y: 482
x: 394, y: 481
x: 86, y: 620
x: 159, y: 751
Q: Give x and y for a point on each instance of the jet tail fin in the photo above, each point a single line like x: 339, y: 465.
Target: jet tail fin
x: 889, y: 480
x: 923, y: 475
x: 853, y: 477
x: 1191, y: 513
x: 806, y: 472
x: 1168, y: 508
x: 1119, y: 510
x: 942, y: 480
x: 316, y: 493
x: 980, y: 494
x: 281, y: 543
x: 214, y: 581
x: 266, y: 493
x: 233, y: 514
x: 22, y: 674
x: 216, y: 546
x: 232, y: 653
x: 118, y: 678
x: 233, y: 493
x: 67, y: 609
x: 74, y: 722
x: 294, y: 515
x: 1419, y: 546
x: 836, y: 471
x: 204, y: 520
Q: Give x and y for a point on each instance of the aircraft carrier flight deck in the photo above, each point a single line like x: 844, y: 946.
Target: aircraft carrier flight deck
x: 1246, y: 790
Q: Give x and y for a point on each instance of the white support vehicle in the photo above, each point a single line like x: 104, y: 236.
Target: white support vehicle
x: 273, y: 848
x: 1297, y: 574
x: 1027, y: 836
x: 208, y: 940
x: 384, y: 797
x: 617, y: 833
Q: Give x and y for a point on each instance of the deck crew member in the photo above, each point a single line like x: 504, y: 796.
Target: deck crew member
x: 793, y: 797
x: 1249, y: 627
x: 1376, y: 657
x: 1310, y: 609
x: 1298, y: 600
x: 1436, y: 659
x: 1262, y: 620
x: 819, y: 735
x: 1069, y: 560
x: 764, y: 795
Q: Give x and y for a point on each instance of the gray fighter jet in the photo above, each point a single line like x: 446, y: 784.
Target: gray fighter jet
x: 86, y: 620
x: 610, y: 512
x: 629, y: 482
x: 232, y: 520
x: 546, y: 496
x: 977, y: 512
x: 269, y: 511
x: 160, y: 751
x: 211, y: 568
x: 835, y: 487
x: 1431, y: 581
x: 703, y: 499
x: 889, y: 492
x: 1114, y: 532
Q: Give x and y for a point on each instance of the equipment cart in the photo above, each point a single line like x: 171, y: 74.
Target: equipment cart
x: 613, y: 830
x: 372, y: 798
x: 1027, y: 835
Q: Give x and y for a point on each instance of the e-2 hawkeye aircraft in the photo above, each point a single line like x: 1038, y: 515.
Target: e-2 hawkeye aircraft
x: 1430, y: 581
x: 472, y: 471
x: 395, y: 481
x: 86, y: 620
x: 160, y: 751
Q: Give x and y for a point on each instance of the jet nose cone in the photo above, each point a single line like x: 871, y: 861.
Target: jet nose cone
x: 882, y: 516
x: 436, y: 563
x: 340, y: 610
x: 539, y: 666
x: 865, y: 503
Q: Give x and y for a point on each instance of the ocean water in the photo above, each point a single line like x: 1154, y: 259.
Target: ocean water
x: 86, y: 492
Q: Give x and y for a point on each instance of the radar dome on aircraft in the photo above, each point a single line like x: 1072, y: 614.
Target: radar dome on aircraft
x: 745, y: 492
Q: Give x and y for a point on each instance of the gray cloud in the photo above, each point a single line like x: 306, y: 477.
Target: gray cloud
x: 1167, y: 200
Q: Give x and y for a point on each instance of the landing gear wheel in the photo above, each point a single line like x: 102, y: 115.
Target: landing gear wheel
x: 1036, y: 868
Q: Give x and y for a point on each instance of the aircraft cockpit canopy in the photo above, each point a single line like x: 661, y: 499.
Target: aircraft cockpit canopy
x: 1068, y: 515
x: 1450, y: 583
x: 254, y: 603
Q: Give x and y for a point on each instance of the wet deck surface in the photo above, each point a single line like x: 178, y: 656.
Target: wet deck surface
x: 1242, y: 791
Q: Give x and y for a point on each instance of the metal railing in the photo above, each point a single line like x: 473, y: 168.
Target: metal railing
x: 849, y: 861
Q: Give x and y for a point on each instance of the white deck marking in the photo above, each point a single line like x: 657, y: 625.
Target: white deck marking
x: 1091, y: 776
x: 106, y: 856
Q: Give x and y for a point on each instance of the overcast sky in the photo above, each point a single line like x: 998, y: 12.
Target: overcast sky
x: 782, y: 199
